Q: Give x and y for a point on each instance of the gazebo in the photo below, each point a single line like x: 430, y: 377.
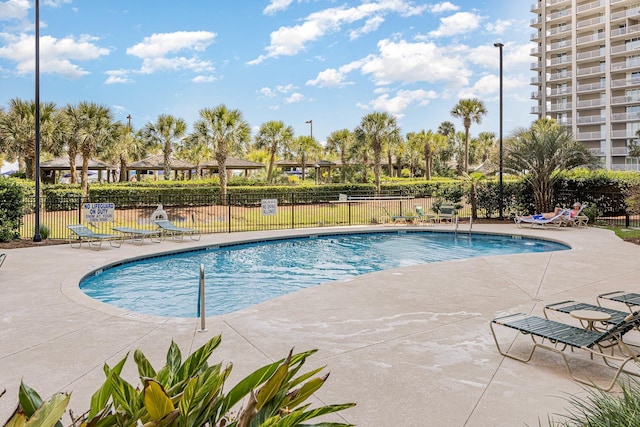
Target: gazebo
x: 51, y: 169
x: 233, y: 163
x: 155, y: 163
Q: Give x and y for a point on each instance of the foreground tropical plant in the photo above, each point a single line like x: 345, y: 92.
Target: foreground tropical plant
x: 601, y: 408
x: 190, y: 393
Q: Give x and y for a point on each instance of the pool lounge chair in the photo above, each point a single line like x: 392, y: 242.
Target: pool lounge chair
x: 80, y: 234
x: 558, y: 337
x: 169, y: 229
x: 568, y: 306
x: 423, y: 217
x: 447, y: 213
x: 396, y: 218
x: 578, y: 220
x: 539, y: 220
x: 630, y: 299
x: 137, y: 235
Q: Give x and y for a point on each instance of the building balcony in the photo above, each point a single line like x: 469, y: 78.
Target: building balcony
x: 631, y: 29
x: 590, y: 103
x: 561, y: 75
x: 626, y: 48
x: 535, y: 22
x: 586, y: 23
x: 627, y: 13
x: 535, y: 36
x: 623, y: 134
x: 625, y: 65
x: 561, y: 45
x: 590, y: 136
x: 536, y: 80
x: 590, y: 6
x: 590, y: 120
x: 589, y: 38
x: 566, y: 59
x: 536, y: 65
x: 621, y: 100
x: 621, y: 83
x: 559, y: 30
x: 590, y: 55
x: 591, y: 87
x: 560, y: 91
x: 565, y: 13
x: 625, y: 117
x: 586, y: 71
x: 536, y: 109
x: 536, y: 51
x: 597, y: 152
x: 619, y: 151
x: 555, y: 2
x: 560, y: 106
x: 536, y: 6
x: 536, y: 95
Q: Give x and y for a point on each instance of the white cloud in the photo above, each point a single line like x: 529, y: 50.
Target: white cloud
x: 402, y: 99
x: 289, y: 41
x: 156, y: 51
x: 14, y: 9
x: 55, y: 3
x: 56, y: 55
x: 443, y: 7
x: 204, y: 79
x: 370, y: 26
x: 295, y: 97
x: 329, y: 78
x: 118, y: 76
x: 498, y: 27
x: 265, y: 91
x: 458, y: 23
x: 285, y: 88
x: 276, y: 6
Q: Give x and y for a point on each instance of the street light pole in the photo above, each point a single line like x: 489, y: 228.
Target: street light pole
x: 36, y: 236
x: 310, y: 122
x: 501, y: 185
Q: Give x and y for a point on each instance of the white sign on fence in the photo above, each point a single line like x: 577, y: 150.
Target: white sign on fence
x: 98, y: 212
x: 269, y: 207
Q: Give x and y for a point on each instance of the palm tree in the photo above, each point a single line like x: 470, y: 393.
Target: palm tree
x: 539, y: 153
x: 224, y: 130
x: 129, y: 146
x: 97, y: 131
x: 469, y: 110
x: 339, y: 143
x: 485, y: 142
x: 375, y: 130
x: 166, y: 131
x: 274, y: 136
x: 429, y: 143
x: 304, y: 149
x: 194, y: 148
x: 18, y: 132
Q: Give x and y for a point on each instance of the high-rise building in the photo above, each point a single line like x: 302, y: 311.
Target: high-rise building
x: 588, y: 73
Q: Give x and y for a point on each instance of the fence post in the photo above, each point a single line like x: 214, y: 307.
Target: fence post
x: 79, y: 209
x: 293, y: 210
x: 228, y: 200
x: 626, y: 219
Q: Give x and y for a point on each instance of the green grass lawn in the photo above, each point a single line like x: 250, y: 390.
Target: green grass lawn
x: 625, y: 233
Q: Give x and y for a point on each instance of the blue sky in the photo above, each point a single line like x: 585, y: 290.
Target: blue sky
x: 328, y: 61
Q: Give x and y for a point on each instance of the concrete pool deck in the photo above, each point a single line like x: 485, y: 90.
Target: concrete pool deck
x: 410, y: 346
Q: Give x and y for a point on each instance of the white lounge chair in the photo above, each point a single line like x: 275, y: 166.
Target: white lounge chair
x: 540, y: 221
x: 177, y: 233
x: 80, y: 233
x: 137, y: 235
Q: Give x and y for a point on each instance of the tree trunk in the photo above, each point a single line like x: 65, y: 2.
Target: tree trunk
x: 85, y: 175
x: 272, y: 158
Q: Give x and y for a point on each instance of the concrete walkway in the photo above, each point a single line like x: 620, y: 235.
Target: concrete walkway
x: 410, y: 346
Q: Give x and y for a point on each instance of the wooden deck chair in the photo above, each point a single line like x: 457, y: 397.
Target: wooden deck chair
x: 558, y: 337
x: 169, y: 229
x: 80, y: 234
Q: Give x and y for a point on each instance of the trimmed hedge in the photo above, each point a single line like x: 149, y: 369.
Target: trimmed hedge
x: 11, y: 209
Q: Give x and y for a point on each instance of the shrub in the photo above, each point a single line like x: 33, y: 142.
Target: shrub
x: 190, y: 394
x: 11, y: 209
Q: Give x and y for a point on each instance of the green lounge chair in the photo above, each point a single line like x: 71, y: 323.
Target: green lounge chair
x: 568, y: 306
x: 423, y: 217
x: 137, y: 235
x: 557, y: 337
x: 630, y: 299
x: 447, y: 213
x: 80, y: 234
x: 169, y: 229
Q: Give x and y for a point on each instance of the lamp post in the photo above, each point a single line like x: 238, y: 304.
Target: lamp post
x: 36, y: 236
x: 310, y: 123
x: 500, y: 185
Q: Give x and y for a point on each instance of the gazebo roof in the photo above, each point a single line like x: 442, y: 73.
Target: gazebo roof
x: 156, y: 162
x: 233, y: 163
x: 62, y: 163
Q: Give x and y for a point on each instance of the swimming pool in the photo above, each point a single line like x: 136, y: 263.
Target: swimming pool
x: 242, y: 275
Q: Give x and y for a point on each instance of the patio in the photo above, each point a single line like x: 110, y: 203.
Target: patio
x: 409, y: 346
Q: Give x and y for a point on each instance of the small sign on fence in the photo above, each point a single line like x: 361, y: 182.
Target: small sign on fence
x: 269, y: 207
x: 98, y: 212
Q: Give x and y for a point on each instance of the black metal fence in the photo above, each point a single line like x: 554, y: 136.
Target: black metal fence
x: 252, y: 212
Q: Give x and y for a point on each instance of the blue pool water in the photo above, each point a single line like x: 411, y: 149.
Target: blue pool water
x: 242, y: 275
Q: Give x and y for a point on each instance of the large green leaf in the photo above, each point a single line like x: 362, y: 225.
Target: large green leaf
x: 303, y: 393
x: 124, y: 396
x: 274, y: 383
x: 18, y: 419
x: 156, y: 401
x: 29, y: 399
x: 145, y: 370
x: 174, y: 360
x: 198, y: 359
x: 50, y: 412
x: 101, y: 396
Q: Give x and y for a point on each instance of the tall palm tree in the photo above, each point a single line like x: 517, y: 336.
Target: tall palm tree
x: 18, y: 132
x: 73, y: 120
x: 339, y: 143
x: 539, y: 153
x: 98, y: 130
x: 469, y: 110
x: 485, y: 142
x: 166, y: 131
x: 304, y: 149
x: 375, y: 130
x: 225, y: 130
x: 129, y: 146
x: 430, y: 143
x: 274, y: 136
x: 194, y: 148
